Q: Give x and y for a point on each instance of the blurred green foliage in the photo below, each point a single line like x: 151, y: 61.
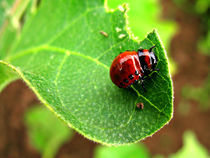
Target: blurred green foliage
x: 196, y: 6
x: 5, y: 6
x: 12, y: 15
x: 201, y: 9
x: 46, y: 132
x: 145, y: 15
x: 184, y: 107
x: 13, y: 11
x: 204, y: 43
x: 128, y: 151
x: 200, y: 94
x: 191, y: 148
x: 202, y: 6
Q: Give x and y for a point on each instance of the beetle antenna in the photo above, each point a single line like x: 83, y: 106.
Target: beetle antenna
x: 150, y: 50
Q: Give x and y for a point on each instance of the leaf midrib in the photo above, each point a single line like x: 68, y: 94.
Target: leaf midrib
x: 119, y: 127
x: 47, y: 103
x: 67, y: 52
x: 53, y: 38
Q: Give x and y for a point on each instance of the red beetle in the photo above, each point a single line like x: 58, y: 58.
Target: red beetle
x: 130, y: 66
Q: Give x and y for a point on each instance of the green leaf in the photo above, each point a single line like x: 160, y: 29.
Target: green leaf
x: 7, y: 36
x: 7, y: 39
x: 3, y: 7
x: 46, y: 132
x: 204, y: 43
x: 200, y: 94
x: 65, y: 60
x: 5, y: 27
x: 130, y: 151
x: 7, y: 76
x: 12, y: 15
x: 191, y: 148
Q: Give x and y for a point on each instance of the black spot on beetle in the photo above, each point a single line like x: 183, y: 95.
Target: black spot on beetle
x: 125, y: 80
x: 122, y: 84
x: 131, y: 76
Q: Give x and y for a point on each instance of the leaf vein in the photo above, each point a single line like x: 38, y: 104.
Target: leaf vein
x: 70, y: 24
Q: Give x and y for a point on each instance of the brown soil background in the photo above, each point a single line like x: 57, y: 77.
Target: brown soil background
x: 192, y: 69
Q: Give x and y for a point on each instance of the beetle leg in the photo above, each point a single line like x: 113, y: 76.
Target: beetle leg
x: 150, y: 50
x: 156, y: 69
x: 142, y: 84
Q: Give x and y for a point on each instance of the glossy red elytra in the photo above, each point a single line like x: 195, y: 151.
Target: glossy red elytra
x: 130, y: 66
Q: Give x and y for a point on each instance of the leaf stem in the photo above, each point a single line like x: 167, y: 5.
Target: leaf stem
x: 135, y: 90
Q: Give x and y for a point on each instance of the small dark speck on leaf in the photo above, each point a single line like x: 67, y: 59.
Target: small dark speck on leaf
x: 140, y: 106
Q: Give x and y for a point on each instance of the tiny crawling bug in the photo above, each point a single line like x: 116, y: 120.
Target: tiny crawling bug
x: 140, y: 106
x: 130, y: 66
x: 104, y: 33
